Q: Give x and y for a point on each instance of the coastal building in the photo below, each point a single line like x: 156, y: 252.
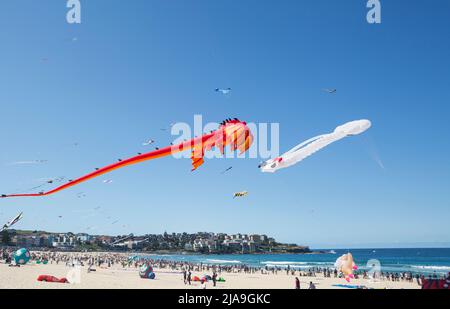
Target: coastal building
x: 202, y: 242
x: 264, y: 239
x: 83, y: 237
x: 233, y: 246
x: 252, y: 246
x: 236, y: 237
x: 26, y: 241
x: 189, y: 247
x: 64, y: 240
x: 205, y: 245
x: 255, y: 238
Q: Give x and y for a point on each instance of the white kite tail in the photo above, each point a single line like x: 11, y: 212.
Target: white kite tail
x: 311, y: 146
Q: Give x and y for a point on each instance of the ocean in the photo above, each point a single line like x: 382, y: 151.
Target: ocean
x: 418, y: 261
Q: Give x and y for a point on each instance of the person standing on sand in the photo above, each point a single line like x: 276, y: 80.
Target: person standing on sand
x: 214, y: 278
x: 297, y: 283
x: 312, y: 286
x: 189, y: 278
x: 184, y: 276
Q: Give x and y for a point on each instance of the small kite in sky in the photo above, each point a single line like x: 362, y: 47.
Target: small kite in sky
x: 11, y: 222
x: 47, y: 181
x: 81, y: 194
x: 330, y: 90
x: 240, y: 194
x: 223, y: 90
x: 29, y: 162
x: 149, y: 142
x: 346, y: 266
x: 228, y: 169
x: 107, y: 181
x: 168, y: 128
x: 311, y: 146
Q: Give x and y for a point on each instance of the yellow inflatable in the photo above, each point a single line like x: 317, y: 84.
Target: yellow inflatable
x: 346, y: 265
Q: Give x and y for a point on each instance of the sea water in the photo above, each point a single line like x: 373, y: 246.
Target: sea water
x: 417, y: 261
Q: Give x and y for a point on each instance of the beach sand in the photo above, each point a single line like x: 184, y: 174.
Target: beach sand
x: 128, y: 278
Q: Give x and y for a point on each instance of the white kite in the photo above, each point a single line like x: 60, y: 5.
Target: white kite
x: 313, y: 145
x: 222, y: 90
x: 28, y: 162
x: 12, y: 222
x: 149, y: 142
x: 122, y: 239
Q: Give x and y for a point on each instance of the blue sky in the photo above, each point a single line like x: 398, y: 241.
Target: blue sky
x: 137, y: 66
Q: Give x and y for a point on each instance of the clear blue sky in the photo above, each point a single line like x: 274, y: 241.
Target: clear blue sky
x: 137, y: 66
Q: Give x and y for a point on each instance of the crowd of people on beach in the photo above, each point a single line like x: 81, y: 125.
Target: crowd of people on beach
x: 110, y: 259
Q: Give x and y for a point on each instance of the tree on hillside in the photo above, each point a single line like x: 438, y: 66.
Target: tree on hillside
x: 5, y: 237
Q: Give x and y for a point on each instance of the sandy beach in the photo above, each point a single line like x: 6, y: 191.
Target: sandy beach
x: 117, y: 277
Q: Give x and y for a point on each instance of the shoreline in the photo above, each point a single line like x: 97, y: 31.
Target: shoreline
x: 117, y: 277
x: 89, y: 270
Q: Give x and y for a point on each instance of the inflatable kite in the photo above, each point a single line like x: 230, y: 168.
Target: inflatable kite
x: 146, y: 272
x: 122, y: 239
x: 313, y: 145
x: 206, y: 278
x: 436, y: 284
x: 11, y: 222
x: 45, y: 262
x: 346, y: 266
x: 231, y: 132
x: 47, y: 278
x: 22, y: 256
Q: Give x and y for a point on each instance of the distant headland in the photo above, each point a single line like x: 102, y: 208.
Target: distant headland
x: 196, y: 243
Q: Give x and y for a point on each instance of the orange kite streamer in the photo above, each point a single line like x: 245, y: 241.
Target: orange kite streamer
x: 232, y: 132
